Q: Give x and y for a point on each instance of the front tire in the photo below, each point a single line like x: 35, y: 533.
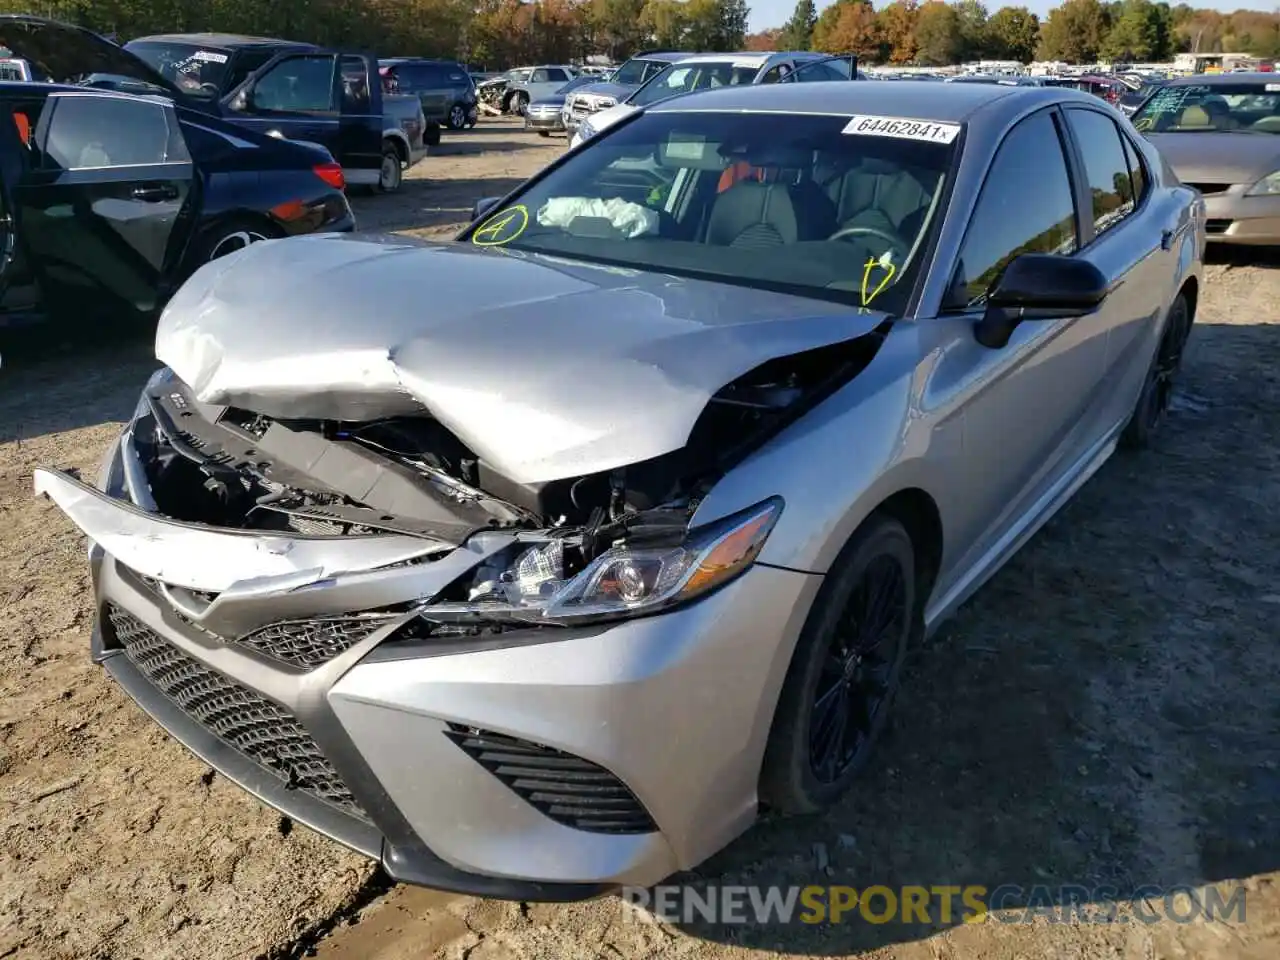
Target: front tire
x: 1158, y: 388
x: 520, y: 104
x: 845, y: 671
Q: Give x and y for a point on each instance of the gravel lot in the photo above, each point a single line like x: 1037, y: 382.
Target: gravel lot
x: 1105, y: 711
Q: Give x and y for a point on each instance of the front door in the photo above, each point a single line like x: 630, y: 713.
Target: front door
x: 107, y: 208
x: 296, y: 96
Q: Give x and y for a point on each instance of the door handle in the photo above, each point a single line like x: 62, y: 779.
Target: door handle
x: 155, y: 193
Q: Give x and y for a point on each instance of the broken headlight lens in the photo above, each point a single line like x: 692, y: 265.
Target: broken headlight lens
x: 624, y: 581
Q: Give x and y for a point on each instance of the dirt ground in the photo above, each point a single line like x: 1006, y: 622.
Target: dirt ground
x: 1104, y: 712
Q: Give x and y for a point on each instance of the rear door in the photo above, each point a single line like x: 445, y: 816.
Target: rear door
x: 431, y: 82
x: 1128, y: 245
x: 296, y: 96
x: 360, y: 116
x: 108, y: 206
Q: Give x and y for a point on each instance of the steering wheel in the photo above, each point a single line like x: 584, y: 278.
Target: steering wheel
x: 895, y: 243
x: 213, y: 88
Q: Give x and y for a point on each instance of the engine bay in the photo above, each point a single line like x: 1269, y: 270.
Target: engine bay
x: 230, y: 468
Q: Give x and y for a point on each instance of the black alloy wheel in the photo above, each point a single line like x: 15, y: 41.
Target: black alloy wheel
x: 1162, y: 379
x: 845, y: 670
x: 858, y: 671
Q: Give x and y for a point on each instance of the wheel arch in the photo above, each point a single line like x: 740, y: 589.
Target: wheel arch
x: 919, y: 515
x: 398, y: 141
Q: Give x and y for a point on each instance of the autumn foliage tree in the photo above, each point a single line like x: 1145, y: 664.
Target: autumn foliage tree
x: 848, y: 26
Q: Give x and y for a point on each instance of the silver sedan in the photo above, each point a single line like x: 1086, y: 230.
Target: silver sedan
x: 551, y: 585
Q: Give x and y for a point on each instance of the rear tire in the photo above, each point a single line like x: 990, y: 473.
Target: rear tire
x: 457, y: 117
x: 544, y: 133
x: 845, y: 671
x: 391, y: 172
x: 231, y: 236
x: 1161, y: 382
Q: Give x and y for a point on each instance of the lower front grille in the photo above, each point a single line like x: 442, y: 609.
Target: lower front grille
x: 261, y: 730
x: 1213, y: 226
x: 570, y: 790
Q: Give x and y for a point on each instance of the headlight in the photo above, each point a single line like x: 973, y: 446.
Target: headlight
x: 606, y: 103
x: 627, y: 580
x: 1267, y: 186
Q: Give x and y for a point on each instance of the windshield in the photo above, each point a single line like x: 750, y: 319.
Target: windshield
x: 576, y: 82
x: 1212, y: 108
x: 695, y: 76
x: 635, y: 72
x: 794, y: 204
x: 193, y: 69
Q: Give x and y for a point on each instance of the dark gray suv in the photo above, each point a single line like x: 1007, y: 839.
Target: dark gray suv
x: 447, y: 92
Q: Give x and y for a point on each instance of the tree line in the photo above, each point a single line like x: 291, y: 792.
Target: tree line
x: 495, y: 34
x: 935, y: 33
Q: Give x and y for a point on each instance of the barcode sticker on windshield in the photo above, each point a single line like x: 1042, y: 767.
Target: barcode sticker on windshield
x: 209, y: 56
x: 1273, y: 87
x: 903, y: 128
x: 686, y: 150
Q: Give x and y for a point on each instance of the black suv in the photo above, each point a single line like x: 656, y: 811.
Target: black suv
x: 447, y: 92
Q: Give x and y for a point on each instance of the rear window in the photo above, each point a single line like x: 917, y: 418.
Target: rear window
x: 198, y: 71
x: 636, y: 71
x: 685, y: 78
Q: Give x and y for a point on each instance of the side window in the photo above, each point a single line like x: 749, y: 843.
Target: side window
x: 815, y: 72
x: 774, y: 74
x: 1105, y: 167
x: 355, y: 85
x: 96, y: 132
x: 26, y: 117
x: 243, y: 64
x: 557, y: 76
x: 1025, y: 206
x: 1137, y: 172
x: 297, y: 85
x: 540, y: 76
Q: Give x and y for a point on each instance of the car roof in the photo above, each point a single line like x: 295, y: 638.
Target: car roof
x: 671, y: 56
x: 760, y: 57
x: 397, y: 61
x: 1225, y: 79
x: 950, y: 102
x: 228, y: 40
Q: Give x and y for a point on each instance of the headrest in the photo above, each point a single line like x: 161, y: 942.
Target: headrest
x: 1194, y: 116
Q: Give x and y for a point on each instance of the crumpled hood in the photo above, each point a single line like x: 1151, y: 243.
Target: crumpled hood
x: 1219, y: 157
x: 545, y: 368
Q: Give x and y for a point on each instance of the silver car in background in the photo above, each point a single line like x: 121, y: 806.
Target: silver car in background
x: 550, y: 587
x: 1221, y: 135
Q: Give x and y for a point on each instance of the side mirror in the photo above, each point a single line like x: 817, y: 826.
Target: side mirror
x: 483, y: 206
x: 1039, y: 286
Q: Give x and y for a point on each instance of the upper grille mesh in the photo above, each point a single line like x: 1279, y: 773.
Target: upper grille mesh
x: 263, y: 731
x: 570, y: 790
x: 312, y: 643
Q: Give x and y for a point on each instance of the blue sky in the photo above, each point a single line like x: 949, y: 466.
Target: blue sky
x: 773, y: 13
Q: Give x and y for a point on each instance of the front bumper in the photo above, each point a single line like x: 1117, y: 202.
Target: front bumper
x: 550, y: 122
x: 1233, y: 218
x: 371, y: 746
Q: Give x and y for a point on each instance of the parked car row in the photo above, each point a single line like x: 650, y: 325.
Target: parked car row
x: 110, y: 199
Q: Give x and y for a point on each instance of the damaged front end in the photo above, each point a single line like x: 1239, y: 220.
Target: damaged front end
x: 458, y: 545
